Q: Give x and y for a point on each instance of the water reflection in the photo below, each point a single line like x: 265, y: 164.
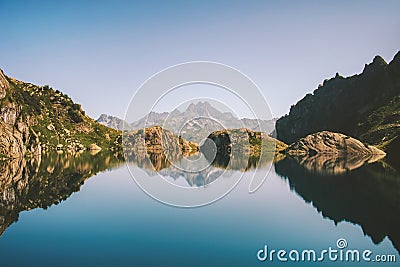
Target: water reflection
x: 47, y: 180
x: 52, y: 178
x: 368, y: 196
x: 157, y: 163
x: 335, y: 164
x: 341, y: 189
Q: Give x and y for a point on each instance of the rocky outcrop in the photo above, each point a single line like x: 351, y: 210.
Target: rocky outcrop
x: 156, y: 139
x: 244, y: 140
x: 366, y: 106
x: 329, y: 143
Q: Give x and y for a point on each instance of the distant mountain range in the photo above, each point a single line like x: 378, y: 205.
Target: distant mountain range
x: 195, y: 123
x: 111, y: 121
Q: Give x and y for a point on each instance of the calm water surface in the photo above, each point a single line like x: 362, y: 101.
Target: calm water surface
x: 88, y: 211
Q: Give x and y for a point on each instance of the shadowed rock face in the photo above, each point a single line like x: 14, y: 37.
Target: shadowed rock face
x: 366, y: 106
x: 368, y: 196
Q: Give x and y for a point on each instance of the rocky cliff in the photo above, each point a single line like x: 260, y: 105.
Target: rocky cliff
x: 38, y: 118
x: 366, y: 106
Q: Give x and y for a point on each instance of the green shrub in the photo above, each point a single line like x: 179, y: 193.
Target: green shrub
x: 75, y: 116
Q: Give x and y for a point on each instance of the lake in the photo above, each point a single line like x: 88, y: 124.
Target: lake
x: 87, y: 210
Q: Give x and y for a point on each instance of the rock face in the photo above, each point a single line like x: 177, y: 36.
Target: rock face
x: 11, y: 144
x: 366, y: 106
x: 12, y: 132
x: 329, y: 143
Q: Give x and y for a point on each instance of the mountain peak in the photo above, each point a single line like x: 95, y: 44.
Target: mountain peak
x: 396, y: 57
x: 379, y: 60
x: 200, y: 104
x: 201, y: 108
x: 102, y: 116
x: 377, y: 64
x: 111, y: 121
x: 395, y: 63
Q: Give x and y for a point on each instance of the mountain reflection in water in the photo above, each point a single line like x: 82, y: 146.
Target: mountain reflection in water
x: 368, y: 196
x: 341, y: 189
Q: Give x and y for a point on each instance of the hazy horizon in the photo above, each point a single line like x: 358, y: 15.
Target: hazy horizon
x: 99, y: 54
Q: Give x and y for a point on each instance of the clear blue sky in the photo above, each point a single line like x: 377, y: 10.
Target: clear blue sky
x: 100, y: 52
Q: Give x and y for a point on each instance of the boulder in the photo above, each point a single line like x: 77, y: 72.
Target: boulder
x: 94, y: 147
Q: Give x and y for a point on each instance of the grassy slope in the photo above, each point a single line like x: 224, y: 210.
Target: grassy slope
x: 382, y: 126
x: 55, y: 119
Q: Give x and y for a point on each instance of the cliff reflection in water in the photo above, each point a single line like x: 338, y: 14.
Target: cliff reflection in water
x: 47, y: 180
x: 368, y: 196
